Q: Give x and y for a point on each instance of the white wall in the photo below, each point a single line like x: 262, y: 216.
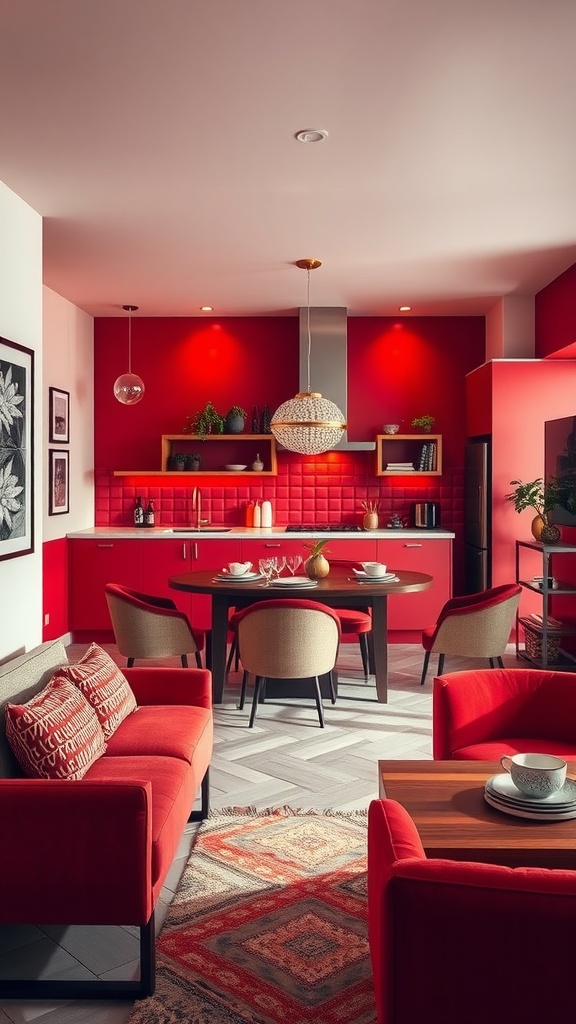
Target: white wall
x: 68, y: 364
x: 21, y: 322
x: 510, y: 328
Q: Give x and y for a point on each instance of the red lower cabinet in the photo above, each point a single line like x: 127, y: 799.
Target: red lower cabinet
x: 213, y: 555
x: 412, y: 612
x: 160, y: 560
x: 93, y: 564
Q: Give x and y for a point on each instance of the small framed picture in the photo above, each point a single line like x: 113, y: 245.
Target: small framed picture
x: 59, y: 416
x: 59, y: 482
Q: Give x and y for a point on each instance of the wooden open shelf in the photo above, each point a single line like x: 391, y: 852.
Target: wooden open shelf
x: 216, y: 451
x: 412, y: 448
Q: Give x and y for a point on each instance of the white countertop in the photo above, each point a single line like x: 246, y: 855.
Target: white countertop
x: 246, y: 533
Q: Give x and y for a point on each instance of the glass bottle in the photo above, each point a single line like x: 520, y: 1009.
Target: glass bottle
x: 149, y: 515
x: 138, y: 512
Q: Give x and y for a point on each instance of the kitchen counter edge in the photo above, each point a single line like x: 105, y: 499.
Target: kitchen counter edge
x: 247, y: 533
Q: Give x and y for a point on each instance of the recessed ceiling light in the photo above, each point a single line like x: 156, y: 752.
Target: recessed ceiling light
x: 311, y: 135
x: 206, y: 309
x: 405, y: 309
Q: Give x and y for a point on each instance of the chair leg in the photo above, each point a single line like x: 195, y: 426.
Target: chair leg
x: 258, y: 683
x: 441, y: 663
x: 363, y: 641
x: 129, y: 662
x: 500, y: 662
x: 332, y: 687
x: 233, y: 651
x: 319, y: 702
x: 198, y: 659
x: 243, y: 690
x: 184, y: 660
x: 425, y: 667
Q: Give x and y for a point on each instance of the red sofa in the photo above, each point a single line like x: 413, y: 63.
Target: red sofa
x: 482, y: 714
x: 96, y: 851
x: 460, y: 942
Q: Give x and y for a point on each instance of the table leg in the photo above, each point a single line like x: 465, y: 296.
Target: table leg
x: 378, y: 642
x: 220, y: 604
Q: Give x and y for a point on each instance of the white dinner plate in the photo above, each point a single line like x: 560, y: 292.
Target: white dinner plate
x: 246, y: 577
x: 502, y: 788
x: 295, y: 581
x: 366, y: 578
x: 519, y: 812
x: 378, y: 579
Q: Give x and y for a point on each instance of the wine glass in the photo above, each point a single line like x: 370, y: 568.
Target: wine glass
x: 293, y: 562
x: 266, y: 567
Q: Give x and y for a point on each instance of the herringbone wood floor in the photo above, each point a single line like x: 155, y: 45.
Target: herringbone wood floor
x: 285, y: 759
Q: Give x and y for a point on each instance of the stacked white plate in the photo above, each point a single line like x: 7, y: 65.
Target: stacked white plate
x: 246, y: 577
x: 294, y: 581
x: 363, y: 577
x: 501, y: 793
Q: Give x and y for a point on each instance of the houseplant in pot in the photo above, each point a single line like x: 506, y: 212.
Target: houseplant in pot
x: 177, y: 461
x: 424, y: 423
x: 235, y: 419
x: 207, y: 421
x: 542, y: 496
x: 316, y: 565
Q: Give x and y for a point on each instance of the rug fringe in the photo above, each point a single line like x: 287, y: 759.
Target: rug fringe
x: 286, y: 810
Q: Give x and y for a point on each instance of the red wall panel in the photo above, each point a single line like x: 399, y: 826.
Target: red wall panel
x: 55, y: 588
x: 555, y: 317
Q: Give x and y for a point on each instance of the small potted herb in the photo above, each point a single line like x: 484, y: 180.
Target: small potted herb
x: 235, y: 419
x: 177, y: 461
x: 192, y: 463
x: 424, y: 423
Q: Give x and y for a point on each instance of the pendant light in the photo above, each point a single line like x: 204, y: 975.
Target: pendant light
x: 308, y: 423
x: 128, y: 387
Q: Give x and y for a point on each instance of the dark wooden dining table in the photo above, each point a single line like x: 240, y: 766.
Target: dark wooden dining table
x: 339, y: 589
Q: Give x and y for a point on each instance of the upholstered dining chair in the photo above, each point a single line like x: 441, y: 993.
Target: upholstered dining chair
x: 475, y: 626
x: 146, y: 626
x: 287, y: 638
x: 480, y: 934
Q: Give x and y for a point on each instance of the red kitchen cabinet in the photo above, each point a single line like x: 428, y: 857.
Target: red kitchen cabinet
x: 160, y: 560
x: 412, y: 612
x: 93, y: 563
x: 355, y: 550
x: 209, y: 554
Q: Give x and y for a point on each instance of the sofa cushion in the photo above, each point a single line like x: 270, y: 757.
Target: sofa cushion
x: 56, y: 735
x: 105, y: 687
x: 162, y: 731
x: 20, y: 679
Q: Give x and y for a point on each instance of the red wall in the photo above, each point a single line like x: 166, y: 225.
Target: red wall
x: 555, y: 318
x: 55, y: 588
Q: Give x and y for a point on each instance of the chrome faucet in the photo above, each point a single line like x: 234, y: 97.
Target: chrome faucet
x: 197, y: 507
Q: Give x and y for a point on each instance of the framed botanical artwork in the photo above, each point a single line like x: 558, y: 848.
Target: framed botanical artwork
x: 59, y: 482
x: 59, y: 406
x: 16, y: 450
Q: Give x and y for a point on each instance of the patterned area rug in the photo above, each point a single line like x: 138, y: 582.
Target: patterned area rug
x: 268, y: 925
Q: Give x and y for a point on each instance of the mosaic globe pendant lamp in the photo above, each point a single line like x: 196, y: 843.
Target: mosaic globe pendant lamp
x: 128, y: 387
x: 308, y: 423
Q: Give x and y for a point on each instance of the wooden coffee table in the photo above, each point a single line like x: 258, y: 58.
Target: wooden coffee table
x: 446, y: 801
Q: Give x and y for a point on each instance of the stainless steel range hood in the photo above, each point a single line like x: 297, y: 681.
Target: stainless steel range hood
x: 328, y: 366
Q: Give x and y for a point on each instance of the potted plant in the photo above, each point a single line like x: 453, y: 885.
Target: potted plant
x: 424, y: 422
x: 208, y: 421
x: 177, y: 461
x: 235, y: 419
x: 193, y: 462
x: 542, y: 496
x: 316, y: 565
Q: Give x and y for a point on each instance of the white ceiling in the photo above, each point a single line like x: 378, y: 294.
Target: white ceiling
x: 156, y: 137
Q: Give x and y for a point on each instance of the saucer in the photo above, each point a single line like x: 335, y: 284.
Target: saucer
x: 246, y: 577
x: 532, y: 813
x: 294, y: 581
x: 502, y: 788
x: 388, y: 578
x: 361, y: 575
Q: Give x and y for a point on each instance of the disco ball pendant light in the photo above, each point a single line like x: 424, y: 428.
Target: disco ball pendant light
x: 308, y: 423
x: 128, y: 387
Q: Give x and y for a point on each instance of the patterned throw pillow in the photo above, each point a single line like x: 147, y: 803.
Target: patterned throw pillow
x: 56, y: 735
x: 105, y: 687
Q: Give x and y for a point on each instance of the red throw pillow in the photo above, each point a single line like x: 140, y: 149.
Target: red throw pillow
x: 105, y: 687
x: 56, y: 735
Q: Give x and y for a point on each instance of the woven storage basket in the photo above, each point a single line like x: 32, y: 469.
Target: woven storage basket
x: 533, y: 640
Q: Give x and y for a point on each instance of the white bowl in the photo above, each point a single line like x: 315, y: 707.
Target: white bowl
x: 234, y: 468
x: 390, y: 428
x: 374, y: 569
x: 239, y: 568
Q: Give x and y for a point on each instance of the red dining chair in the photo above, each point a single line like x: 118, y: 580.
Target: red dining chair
x: 287, y: 638
x: 475, y: 626
x: 151, y: 627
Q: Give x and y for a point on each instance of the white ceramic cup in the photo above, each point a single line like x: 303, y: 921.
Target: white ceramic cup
x: 374, y: 568
x: 537, y: 775
x: 239, y: 568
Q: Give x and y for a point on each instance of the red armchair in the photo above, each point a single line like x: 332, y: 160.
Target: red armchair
x: 475, y: 626
x: 482, y: 714
x: 460, y: 942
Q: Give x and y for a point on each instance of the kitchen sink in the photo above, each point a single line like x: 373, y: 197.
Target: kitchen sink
x: 199, y: 529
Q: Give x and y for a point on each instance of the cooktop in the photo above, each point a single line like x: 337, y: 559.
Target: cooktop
x: 323, y: 528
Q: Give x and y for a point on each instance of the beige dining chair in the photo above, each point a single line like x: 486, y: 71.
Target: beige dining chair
x: 287, y: 639
x: 147, y: 627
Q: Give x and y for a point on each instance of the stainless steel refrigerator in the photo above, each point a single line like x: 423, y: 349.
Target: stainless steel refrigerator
x: 477, y: 518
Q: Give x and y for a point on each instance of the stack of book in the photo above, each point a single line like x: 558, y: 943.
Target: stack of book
x: 400, y: 467
x: 428, y: 456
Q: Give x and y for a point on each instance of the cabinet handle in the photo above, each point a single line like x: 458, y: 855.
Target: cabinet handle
x: 195, y: 551
x: 184, y: 552
x: 268, y: 545
x: 104, y: 545
x: 412, y: 545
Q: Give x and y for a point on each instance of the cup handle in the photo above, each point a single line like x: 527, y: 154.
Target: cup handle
x: 506, y: 762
